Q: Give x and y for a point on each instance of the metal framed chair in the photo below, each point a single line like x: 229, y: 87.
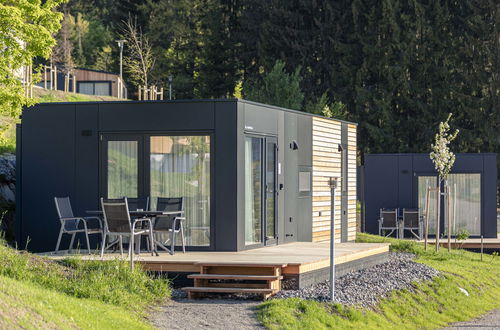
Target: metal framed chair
x: 72, y: 225
x: 117, y: 221
x: 412, y: 221
x: 169, y: 224
x: 388, y: 220
x: 137, y: 203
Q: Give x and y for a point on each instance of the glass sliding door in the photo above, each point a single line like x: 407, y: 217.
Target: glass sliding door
x: 465, y: 202
x: 180, y: 167
x: 122, y: 166
x: 253, y: 190
x: 423, y: 183
x: 260, y: 190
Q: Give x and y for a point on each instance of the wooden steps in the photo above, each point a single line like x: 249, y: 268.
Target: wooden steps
x: 235, y: 277
x: 263, y: 279
x: 228, y: 290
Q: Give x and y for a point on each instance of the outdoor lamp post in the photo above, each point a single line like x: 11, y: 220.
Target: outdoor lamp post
x: 170, y: 78
x: 121, y: 43
x: 332, y: 182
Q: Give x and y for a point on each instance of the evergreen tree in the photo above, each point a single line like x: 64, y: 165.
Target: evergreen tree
x: 277, y: 87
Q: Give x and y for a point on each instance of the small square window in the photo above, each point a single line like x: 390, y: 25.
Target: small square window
x: 304, y: 182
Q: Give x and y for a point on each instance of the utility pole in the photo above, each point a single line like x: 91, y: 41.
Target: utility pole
x: 332, y: 182
x: 170, y: 78
x: 121, y: 43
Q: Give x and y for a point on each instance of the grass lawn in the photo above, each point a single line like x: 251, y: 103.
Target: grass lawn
x: 431, y: 305
x: 29, y: 306
x: 36, y: 292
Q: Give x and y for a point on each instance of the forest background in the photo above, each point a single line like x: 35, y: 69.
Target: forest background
x: 396, y: 67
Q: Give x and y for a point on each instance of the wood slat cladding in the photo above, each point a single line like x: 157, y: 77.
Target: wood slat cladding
x: 327, y: 162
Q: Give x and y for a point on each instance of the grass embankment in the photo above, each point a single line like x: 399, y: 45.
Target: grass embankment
x: 430, y: 305
x: 8, y: 140
x: 36, y: 292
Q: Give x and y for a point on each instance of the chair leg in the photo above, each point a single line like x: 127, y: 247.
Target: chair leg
x: 120, y: 242
x: 88, y: 242
x: 183, y: 239
x: 59, y: 239
x: 103, y: 245
x: 70, y: 248
x: 131, y: 249
x: 151, y: 241
x: 172, y: 243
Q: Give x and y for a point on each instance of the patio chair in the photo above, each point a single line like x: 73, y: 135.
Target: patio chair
x: 138, y: 203
x: 412, y: 221
x: 117, y: 222
x: 72, y: 225
x: 171, y: 223
x: 388, y: 221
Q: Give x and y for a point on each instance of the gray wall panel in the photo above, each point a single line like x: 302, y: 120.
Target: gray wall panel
x: 289, y: 169
x: 87, y: 161
x: 260, y: 120
x: 156, y: 116
x: 405, y: 182
x: 381, y: 187
x: 489, y: 192
x: 282, y: 145
x: 48, y: 170
x: 226, y: 175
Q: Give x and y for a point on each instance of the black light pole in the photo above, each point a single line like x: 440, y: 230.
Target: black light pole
x: 170, y: 78
x: 333, y: 186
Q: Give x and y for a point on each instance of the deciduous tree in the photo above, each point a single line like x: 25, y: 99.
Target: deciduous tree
x: 26, y: 32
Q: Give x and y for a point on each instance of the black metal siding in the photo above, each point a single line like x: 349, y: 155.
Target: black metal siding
x: 48, y: 170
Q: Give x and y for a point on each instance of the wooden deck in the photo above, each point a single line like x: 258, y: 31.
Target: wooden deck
x: 293, y: 258
x: 471, y: 243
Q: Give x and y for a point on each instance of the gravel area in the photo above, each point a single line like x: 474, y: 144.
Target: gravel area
x: 365, y: 287
x: 207, y: 314
x: 488, y: 321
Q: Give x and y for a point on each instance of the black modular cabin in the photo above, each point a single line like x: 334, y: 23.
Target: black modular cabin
x: 245, y: 169
x: 400, y: 181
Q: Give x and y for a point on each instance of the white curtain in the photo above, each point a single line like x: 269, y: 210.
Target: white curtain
x: 253, y: 183
x: 466, y: 202
x: 180, y: 167
x: 423, y: 183
x: 122, y: 169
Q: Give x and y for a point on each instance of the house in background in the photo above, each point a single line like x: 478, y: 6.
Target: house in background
x: 253, y: 175
x: 401, y: 181
x: 85, y: 81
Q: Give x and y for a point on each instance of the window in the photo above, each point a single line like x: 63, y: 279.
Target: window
x: 305, y: 181
x: 94, y: 88
x: 180, y: 167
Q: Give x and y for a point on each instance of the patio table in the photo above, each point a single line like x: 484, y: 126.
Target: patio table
x: 140, y: 214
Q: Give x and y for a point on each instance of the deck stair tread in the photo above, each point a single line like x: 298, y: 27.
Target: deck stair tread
x: 235, y: 277
x: 229, y: 290
x: 241, y: 264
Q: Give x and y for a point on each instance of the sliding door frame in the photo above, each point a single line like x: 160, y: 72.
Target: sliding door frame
x: 442, y: 224
x: 265, y: 139
x: 144, y: 184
